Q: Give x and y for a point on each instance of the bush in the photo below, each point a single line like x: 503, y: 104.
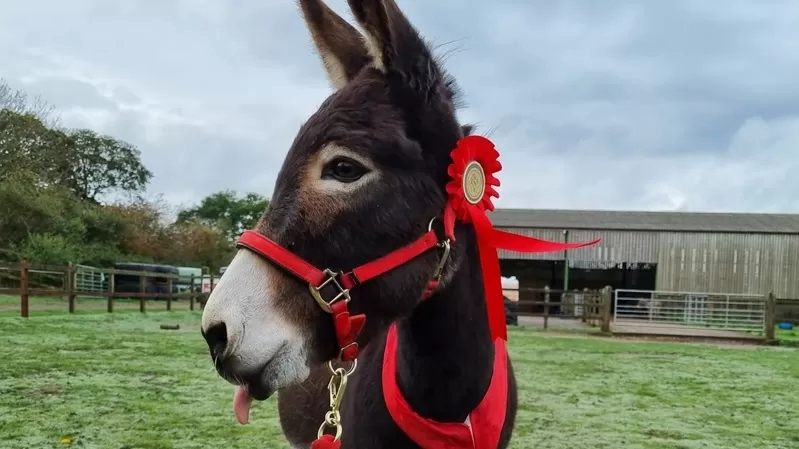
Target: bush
x: 50, y: 225
x: 26, y: 210
x: 51, y: 249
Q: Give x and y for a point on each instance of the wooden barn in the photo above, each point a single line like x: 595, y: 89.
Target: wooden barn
x: 663, y: 251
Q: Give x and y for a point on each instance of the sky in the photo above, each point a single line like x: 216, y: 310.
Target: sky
x: 627, y: 105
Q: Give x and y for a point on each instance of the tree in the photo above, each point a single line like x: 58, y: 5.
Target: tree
x: 51, y: 181
x: 31, y: 151
x: 196, y: 244
x: 100, y: 164
x: 227, y: 212
x: 144, y: 235
x: 144, y: 232
x: 33, y: 148
x: 19, y: 102
x: 27, y: 211
x: 87, y: 163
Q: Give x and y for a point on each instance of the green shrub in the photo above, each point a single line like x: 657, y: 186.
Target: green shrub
x: 51, y: 249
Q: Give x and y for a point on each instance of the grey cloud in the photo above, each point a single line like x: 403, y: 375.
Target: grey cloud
x: 623, y: 104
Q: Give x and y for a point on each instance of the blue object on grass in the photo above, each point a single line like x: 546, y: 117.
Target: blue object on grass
x: 785, y: 326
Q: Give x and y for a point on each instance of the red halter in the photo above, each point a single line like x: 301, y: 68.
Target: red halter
x: 347, y: 326
x: 470, y: 189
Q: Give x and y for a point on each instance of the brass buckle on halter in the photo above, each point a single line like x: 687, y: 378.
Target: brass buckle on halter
x: 446, y: 245
x: 332, y: 278
x: 442, y: 263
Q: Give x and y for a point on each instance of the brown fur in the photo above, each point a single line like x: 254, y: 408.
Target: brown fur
x: 319, y: 207
x: 397, y: 111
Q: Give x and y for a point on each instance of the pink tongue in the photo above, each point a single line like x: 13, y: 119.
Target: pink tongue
x: 241, y: 404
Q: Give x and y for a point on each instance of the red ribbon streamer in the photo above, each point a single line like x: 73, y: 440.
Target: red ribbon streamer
x: 489, y: 240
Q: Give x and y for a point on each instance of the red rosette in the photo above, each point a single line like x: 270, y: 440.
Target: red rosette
x: 475, y: 162
x: 479, y: 155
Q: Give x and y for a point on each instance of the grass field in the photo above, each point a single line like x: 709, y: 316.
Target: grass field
x: 115, y: 381
x: 47, y: 306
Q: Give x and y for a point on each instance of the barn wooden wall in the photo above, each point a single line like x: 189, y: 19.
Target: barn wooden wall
x: 690, y: 261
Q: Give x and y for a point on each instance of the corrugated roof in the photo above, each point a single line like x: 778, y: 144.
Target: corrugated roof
x: 647, y: 221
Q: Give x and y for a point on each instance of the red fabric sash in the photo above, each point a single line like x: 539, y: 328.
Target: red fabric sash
x: 486, y: 420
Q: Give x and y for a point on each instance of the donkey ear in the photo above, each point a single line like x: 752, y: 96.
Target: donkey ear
x: 393, y: 42
x: 338, y: 43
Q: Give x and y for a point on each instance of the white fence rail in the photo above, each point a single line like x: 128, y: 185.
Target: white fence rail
x: 727, y: 311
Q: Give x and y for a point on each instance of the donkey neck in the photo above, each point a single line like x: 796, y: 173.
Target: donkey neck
x: 445, y: 353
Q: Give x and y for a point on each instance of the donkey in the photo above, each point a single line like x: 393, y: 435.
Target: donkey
x: 364, y: 176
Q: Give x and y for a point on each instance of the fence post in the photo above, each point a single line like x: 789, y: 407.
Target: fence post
x: 142, y: 288
x: 191, y: 293
x: 111, y: 288
x: 590, y: 307
x: 546, y: 307
x: 64, y: 285
x: 607, y: 305
x: 770, y: 322
x: 23, y: 289
x: 71, y: 295
x: 210, y: 288
x: 169, y: 294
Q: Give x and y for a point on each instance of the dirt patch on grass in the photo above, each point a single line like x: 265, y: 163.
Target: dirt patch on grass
x: 717, y: 342
x: 47, y: 390
x: 638, y: 355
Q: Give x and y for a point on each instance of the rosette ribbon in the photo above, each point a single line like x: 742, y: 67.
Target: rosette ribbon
x: 472, y: 185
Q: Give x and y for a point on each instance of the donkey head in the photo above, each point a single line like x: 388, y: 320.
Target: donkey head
x: 364, y: 176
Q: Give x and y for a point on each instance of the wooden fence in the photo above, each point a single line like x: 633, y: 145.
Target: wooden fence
x: 57, y: 282
x: 592, y: 307
x: 55, y: 287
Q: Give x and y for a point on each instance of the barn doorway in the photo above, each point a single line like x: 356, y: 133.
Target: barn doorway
x: 582, y: 274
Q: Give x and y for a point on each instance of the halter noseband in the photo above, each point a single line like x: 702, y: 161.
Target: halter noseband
x: 337, y: 284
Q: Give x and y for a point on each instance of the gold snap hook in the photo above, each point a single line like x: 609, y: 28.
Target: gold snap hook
x: 336, y: 389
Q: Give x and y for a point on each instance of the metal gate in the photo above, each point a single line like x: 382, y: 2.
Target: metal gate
x: 727, y: 311
x: 695, y: 309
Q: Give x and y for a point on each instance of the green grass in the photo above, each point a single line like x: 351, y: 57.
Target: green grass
x: 791, y: 336
x: 114, y: 381
x: 47, y: 306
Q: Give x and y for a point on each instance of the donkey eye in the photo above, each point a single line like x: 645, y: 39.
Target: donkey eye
x: 343, y: 170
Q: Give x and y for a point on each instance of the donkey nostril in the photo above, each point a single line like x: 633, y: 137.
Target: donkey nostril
x: 216, y: 337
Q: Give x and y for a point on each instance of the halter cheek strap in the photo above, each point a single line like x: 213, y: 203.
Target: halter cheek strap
x: 331, y: 289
